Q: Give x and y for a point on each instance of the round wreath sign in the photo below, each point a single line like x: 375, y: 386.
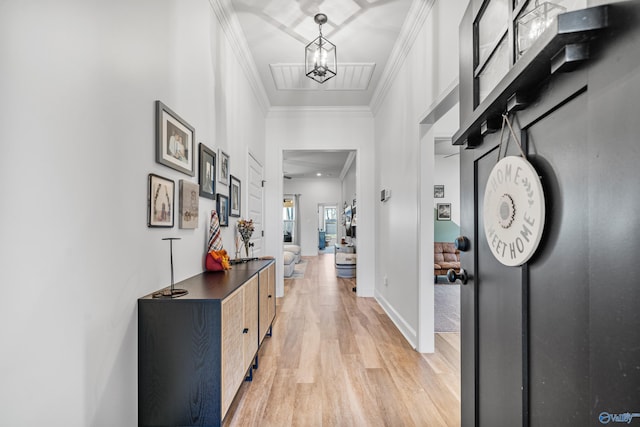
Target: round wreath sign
x: 514, y: 211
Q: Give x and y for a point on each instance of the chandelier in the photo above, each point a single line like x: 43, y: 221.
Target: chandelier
x: 320, y: 55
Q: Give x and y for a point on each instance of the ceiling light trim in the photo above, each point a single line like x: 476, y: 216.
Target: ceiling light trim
x: 414, y: 22
x: 354, y: 110
x: 231, y: 27
x: 289, y: 77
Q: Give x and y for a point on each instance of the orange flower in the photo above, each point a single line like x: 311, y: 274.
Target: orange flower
x: 221, y: 257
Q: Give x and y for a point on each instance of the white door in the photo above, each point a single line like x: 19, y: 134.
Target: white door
x: 255, y: 205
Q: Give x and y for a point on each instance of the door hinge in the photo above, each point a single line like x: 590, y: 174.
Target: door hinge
x: 262, y: 231
x: 263, y: 181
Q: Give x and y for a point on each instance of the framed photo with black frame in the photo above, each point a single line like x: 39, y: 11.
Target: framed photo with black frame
x: 222, y: 206
x: 235, y: 192
x: 223, y: 168
x: 443, y: 212
x: 207, y: 172
x: 160, y: 201
x: 174, y: 140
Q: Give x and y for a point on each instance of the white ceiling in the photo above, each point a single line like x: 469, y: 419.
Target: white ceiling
x: 367, y: 35
x: 309, y: 163
x: 277, y: 31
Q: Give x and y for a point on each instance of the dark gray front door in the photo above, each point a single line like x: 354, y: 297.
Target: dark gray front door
x: 556, y: 342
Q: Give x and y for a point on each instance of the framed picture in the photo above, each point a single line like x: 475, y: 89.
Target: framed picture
x: 444, y: 212
x: 174, y: 140
x: 223, y: 167
x: 438, y: 191
x: 189, y: 204
x: 234, y: 196
x: 160, y: 203
x: 207, y: 172
x: 222, y: 206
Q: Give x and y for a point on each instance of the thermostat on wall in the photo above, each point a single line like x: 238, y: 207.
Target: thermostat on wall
x: 385, y: 195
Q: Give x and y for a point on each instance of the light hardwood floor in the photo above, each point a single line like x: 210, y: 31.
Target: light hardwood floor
x: 338, y: 360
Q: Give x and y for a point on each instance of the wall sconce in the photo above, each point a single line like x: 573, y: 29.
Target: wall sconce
x: 532, y: 24
x: 320, y: 55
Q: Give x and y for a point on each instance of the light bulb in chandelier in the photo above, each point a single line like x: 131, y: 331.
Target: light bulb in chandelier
x: 320, y: 62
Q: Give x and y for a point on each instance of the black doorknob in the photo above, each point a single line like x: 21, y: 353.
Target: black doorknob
x: 463, y: 244
x: 452, y: 276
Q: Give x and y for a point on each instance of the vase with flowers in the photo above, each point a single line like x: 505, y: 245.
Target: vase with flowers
x: 245, y: 229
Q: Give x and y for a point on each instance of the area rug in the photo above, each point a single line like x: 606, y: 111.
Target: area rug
x: 327, y: 250
x: 299, y: 269
x: 447, y: 308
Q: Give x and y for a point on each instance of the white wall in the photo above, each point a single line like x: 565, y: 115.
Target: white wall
x: 312, y: 192
x: 447, y: 172
x: 447, y: 168
x: 349, y: 194
x: 404, y: 164
x: 79, y: 81
x: 347, y: 129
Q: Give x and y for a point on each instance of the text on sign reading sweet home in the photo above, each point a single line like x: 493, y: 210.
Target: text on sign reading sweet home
x: 518, y: 245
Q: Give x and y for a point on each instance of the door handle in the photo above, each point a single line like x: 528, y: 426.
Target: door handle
x: 452, y: 276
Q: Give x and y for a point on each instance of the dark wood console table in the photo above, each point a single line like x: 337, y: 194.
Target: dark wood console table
x: 195, y: 351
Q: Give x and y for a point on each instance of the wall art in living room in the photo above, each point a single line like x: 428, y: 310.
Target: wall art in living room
x: 444, y: 212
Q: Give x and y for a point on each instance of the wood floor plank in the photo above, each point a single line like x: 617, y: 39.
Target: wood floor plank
x: 366, y: 396
x: 307, y: 406
x: 393, y: 411
x: 280, y: 405
x: 309, y: 357
x: 338, y: 360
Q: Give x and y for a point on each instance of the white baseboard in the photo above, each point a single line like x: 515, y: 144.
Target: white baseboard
x: 405, y: 329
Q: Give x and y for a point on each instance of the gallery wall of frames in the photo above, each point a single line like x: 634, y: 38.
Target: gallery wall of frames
x: 176, y: 149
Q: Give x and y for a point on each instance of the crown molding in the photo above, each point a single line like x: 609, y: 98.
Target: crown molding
x: 347, y: 164
x: 231, y: 27
x: 412, y: 25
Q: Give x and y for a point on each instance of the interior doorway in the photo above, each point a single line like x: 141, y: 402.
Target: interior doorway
x: 327, y: 227
x: 325, y: 181
x: 440, y: 122
x: 290, y: 219
x: 446, y: 227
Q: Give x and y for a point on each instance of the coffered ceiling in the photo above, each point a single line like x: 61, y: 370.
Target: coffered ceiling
x: 364, y: 31
x: 371, y: 38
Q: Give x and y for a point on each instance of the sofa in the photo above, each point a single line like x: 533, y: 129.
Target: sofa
x: 291, y: 256
x: 289, y: 263
x: 295, y: 250
x: 445, y: 257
